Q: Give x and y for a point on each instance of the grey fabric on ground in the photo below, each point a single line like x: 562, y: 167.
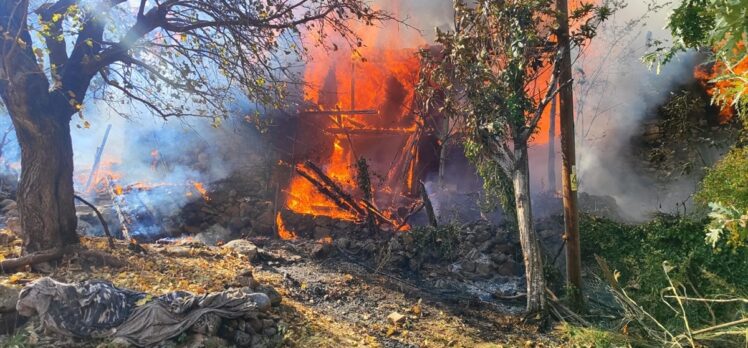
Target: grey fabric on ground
x: 99, y: 309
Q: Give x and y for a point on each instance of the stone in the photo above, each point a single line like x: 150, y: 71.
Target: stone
x: 265, y: 221
x: 242, y: 339
x: 246, y: 279
x: 342, y: 225
x: 202, y: 341
x: 484, y: 266
x: 117, y: 342
x: 255, y: 324
x: 468, y: 266
x: 487, y: 245
x: 258, y: 342
x: 396, y: 318
x: 8, y: 298
x: 342, y: 242
x: 242, y: 247
x: 321, y: 232
x: 509, y: 268
x: 269, y: 331
x: 321, y: 250
x: 274, y: 295
x: 499, y: 258
x: 213, y: 235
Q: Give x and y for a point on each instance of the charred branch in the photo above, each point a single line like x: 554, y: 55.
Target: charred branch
x: 334, y: 187
x: 326, y: 191
x: 372, y: 132
x: 427, y: 204
x: 104, y: 225
x: 340, y: 112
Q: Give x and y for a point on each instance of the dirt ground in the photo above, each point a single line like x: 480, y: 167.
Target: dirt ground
x: 328, y: 302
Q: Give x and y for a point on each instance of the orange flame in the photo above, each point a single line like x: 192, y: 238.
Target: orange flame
x: 283, y: 233
x: 364, y: 80
x: 201, y: 189
x: 706, y: 73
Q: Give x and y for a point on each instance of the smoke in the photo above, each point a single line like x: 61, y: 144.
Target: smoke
x: 614, y: 93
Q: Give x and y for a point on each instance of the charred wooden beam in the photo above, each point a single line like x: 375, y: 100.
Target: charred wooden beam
x: 124, y: 221
x: 341, y: 112
x: 326, y: 191
x: 97, y: 159
x: 334, y: 187
x: 377, y: 213
x: 370, y: 132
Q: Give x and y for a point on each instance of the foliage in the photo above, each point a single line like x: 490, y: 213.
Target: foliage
x: 436, y: 242
x: 730, y: 221
x: 483, y: 76
x: 695, y: 268
x: 727, y: 182
x: 575, y: 336
x: 718, y: 24
x: 151, y: 54
x: 682, y: 134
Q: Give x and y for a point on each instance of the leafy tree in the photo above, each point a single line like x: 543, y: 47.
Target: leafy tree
x: 497, y: 73
x: 721, y: 26
x: 174, y: 57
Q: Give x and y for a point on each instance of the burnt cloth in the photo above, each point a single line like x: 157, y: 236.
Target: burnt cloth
x: 98, y: 309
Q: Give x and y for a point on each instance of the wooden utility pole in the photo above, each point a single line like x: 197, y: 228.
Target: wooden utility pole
x: 568, y: 157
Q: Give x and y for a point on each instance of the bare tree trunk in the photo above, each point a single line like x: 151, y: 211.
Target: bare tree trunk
x: 45, y: 192
x: 527, y: 237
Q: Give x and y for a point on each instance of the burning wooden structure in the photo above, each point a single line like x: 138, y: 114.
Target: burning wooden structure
x: 361, y: 110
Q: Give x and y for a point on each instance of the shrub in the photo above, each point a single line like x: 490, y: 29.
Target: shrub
x: 727, y: 182
x: 639, y: 251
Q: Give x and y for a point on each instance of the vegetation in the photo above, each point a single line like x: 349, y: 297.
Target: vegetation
x: 720, y: 26
x: 204, y: 53
x: 696, y: 269
x: 727, y: 181
x: 482, y: 77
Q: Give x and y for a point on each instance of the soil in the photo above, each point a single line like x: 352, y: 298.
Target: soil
x: 333, y: 301
x: 339, y: 302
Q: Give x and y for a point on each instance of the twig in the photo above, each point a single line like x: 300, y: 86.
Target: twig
x: 689, y: 334
x: 104, y: 225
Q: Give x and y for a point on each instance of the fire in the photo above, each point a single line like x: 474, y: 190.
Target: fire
x: 118, y: 190
x: 283, y: 233
x: 201, y: 189
x: 379, y: 80
x: 706, y: 73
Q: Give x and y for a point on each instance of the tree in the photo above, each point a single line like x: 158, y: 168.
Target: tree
x: 720, y: 26
x: 174, y: 57
x: 498, y: 72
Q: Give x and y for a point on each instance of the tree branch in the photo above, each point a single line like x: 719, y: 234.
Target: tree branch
x: 55, y: 39
x: 553, y: 89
